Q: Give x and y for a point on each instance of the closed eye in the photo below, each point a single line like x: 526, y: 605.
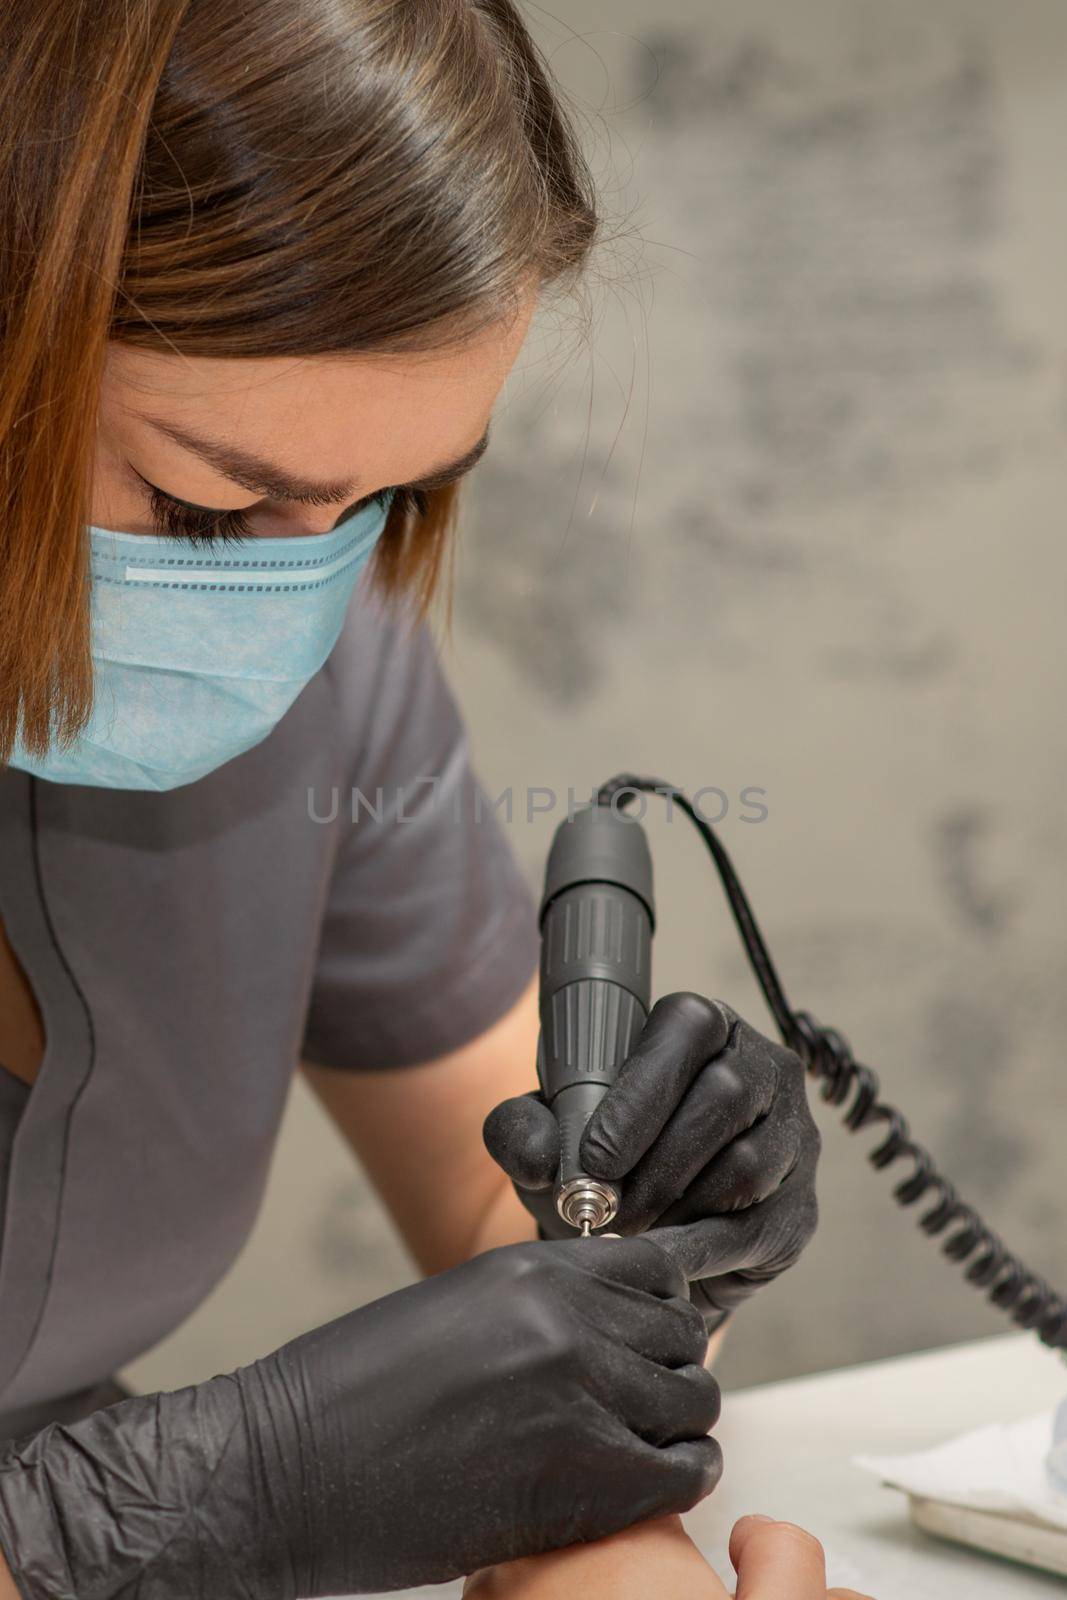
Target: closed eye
x: 181, y: 519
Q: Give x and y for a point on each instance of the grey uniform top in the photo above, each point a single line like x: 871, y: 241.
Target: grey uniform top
x: 186, y: 948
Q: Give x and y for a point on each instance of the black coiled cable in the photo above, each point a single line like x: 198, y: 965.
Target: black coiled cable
x: 1027, y: 1297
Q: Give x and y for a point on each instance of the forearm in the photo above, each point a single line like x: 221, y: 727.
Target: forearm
x: 505, y: 1220
x: 7, y: 1582
x: 86, y: 1508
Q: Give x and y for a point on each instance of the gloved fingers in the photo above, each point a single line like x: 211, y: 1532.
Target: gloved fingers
x: 688, y: 1472
x: 670, y: 1333
x: 716, y: 1245
x: 751, y: 1169
x: 522, y: 1136
x: 722, y: 1104
x: 763, y: 1240
x: 722, y: 1296
x: 639, y: 1481
x: 639, y: 1263
x: 705, y: 1296
x: 683, y: 1033
x: 660, y: 1406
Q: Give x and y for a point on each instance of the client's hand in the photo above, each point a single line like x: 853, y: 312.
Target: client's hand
x: 773, y: 1561
x: 653, y: 1557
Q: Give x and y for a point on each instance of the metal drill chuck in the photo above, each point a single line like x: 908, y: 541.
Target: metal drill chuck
x: 586, y: 1203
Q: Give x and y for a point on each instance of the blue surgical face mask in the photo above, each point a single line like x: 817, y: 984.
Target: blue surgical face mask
x: 198, y: 655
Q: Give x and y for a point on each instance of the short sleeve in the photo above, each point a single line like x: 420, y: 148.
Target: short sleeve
x: 429, y: 932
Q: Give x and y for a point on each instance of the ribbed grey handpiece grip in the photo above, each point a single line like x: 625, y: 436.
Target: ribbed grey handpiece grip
x: 587, y: 1031
x: 596, y: 979
x: 595, y: 991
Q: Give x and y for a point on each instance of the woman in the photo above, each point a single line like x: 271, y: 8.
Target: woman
x: 266, y: 267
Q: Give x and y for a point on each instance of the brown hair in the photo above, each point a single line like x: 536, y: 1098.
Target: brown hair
x: 282, y: 177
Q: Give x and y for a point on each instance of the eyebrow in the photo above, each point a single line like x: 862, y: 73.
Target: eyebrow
x: 262, y: 477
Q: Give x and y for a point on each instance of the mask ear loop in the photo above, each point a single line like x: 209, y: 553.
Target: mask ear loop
x: 1026, y: 1296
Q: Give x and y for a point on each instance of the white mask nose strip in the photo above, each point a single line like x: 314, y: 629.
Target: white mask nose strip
x: 245, y: 577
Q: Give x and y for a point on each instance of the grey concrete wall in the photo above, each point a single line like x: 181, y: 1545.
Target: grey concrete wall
x: 794, y: 523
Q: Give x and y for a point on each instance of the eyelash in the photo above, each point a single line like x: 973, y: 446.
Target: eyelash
x: 176, y: 521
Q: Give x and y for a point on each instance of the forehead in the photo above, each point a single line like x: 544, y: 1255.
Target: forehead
x: 383, y: 416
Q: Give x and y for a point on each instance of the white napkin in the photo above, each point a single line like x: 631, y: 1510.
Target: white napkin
x: 1001, y: 1467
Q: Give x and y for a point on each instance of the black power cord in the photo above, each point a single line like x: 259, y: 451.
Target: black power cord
x: 1027, y: 1297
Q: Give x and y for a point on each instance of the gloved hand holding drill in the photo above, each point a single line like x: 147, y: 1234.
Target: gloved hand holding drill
x: 682, y: 1116
x: 708, y: 1134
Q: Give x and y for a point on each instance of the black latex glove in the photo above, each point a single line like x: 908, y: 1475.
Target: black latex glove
x: 536, y: 1396
x: 708, y: 1132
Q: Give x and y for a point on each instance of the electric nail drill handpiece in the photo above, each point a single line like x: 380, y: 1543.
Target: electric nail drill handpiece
x: 597, y: 918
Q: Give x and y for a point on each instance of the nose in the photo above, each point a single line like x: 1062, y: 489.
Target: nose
x: 290, y: 522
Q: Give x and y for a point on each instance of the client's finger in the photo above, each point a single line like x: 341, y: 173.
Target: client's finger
x: 776, y: 1561
x: 847, y: 1594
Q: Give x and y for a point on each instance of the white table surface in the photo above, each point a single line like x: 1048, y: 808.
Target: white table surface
x: 787, y: 1448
